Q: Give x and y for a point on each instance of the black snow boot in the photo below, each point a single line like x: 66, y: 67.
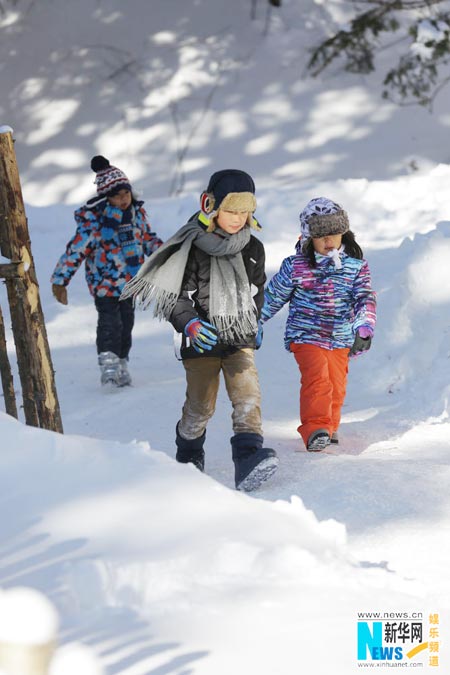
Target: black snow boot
x: 318, y: 440
x: 191, y: 451
x: 253, y: 463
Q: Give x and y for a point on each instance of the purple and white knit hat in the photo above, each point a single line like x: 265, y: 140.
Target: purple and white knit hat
x: 322, y: 217
x: 109, y: 178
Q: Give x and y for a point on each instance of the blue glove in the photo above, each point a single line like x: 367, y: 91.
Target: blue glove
x: 259, y: 335
x: 201, y: 334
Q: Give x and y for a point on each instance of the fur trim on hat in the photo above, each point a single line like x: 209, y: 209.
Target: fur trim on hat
x: 328, y: 224
x: 233, y: 201
x: 238, y: 201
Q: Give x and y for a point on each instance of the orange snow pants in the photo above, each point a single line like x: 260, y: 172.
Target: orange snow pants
x: 322, y: 387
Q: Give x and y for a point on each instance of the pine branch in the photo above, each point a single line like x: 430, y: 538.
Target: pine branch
x: 418, y: 76
x: 358, y: 43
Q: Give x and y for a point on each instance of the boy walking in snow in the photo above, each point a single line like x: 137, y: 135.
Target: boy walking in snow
x: 112, y: 237
x: 331, y: 314
x: 208, y: 281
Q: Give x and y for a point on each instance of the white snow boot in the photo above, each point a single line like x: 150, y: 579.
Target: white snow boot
x: 124, y: 374
x: 109, y: 368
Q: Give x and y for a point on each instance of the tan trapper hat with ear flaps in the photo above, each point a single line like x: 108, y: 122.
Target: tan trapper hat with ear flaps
x: 230, y: 190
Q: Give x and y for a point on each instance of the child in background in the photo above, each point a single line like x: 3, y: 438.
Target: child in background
x: 112, y: 236
x: 208, y: 281
x: 331, y: 314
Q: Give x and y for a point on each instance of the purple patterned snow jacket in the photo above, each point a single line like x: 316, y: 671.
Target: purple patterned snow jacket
x: 326, y: 305
x: 113, y: 251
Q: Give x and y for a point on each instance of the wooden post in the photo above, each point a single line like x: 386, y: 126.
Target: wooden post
x: 6, y: 374
x: 10, y: 270
x: 40, y: 400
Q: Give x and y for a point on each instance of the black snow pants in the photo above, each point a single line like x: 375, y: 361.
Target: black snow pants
x: 114, y: 326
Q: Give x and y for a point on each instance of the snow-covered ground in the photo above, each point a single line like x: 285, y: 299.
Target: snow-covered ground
x: 161, y: 569
x: 155, y: 567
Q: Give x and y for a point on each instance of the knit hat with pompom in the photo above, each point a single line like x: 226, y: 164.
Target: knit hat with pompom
x: 110, y: 180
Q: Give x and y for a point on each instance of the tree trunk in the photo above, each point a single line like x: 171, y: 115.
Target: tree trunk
x: 40, y: 400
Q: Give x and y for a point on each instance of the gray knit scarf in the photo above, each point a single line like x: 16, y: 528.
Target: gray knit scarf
x: 231, y: 307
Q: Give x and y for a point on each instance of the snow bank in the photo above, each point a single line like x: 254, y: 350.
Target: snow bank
x: 107, y: 527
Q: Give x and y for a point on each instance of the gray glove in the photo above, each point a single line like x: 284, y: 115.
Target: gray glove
x: 360, y: 345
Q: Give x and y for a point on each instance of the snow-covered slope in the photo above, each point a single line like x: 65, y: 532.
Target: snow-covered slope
x: 171, y: 90
x: 158, y: 568
x: 161, y: 569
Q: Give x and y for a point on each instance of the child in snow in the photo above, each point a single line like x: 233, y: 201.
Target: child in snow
x: 208, y: 281
x: 331, y: 314
x: 112, y: 236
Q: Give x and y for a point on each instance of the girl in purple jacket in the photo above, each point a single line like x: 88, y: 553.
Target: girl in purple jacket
x: 332, y: 314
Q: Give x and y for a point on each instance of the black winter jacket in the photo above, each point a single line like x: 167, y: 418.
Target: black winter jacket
x: 193, y: 300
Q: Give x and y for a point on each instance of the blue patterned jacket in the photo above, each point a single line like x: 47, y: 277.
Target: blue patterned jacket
x: 326, y: 305
x: 113, y: 253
